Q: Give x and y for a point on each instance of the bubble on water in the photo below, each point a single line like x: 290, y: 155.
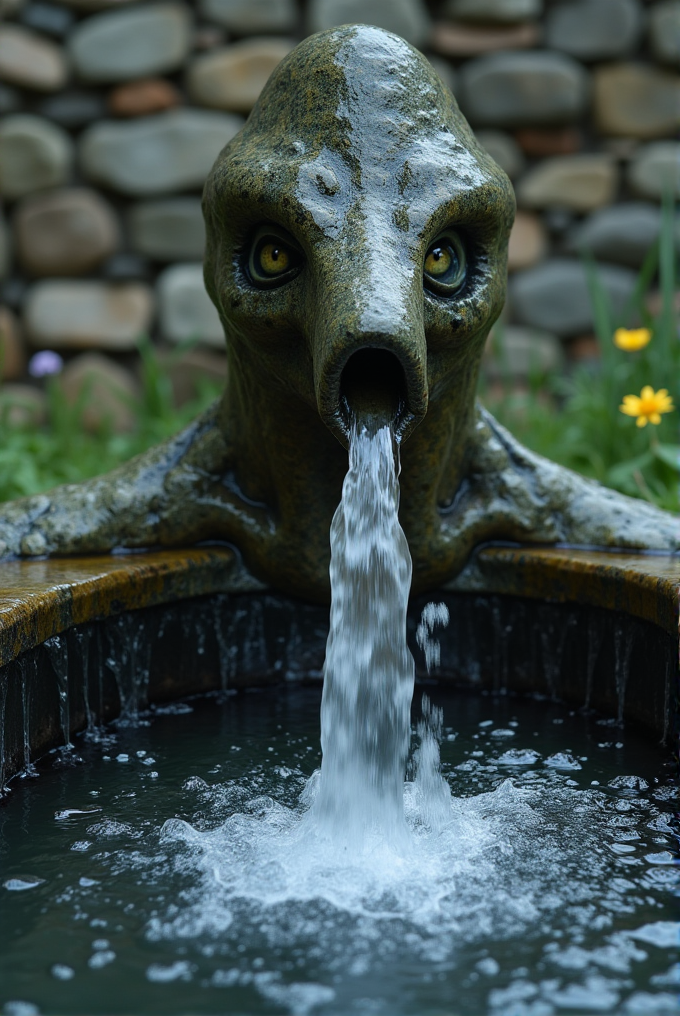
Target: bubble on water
x: 22, y: 882
x: 664, y: 934
x: 62, y: 972
x: 110, y: 829
x: 20, y: 1008
x: 101, y: 959
x: 628, y: 783
x: 562, y: 760
x: 502, y: 732
x: 518, y: 757
x: 179, y: 971
x: 648, y: 1004
x: 81, y: 845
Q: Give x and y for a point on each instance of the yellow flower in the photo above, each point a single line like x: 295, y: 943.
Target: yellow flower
x: 648, y: 405
x: 632, y: 339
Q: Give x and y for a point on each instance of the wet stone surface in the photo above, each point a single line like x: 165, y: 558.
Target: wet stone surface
x: 176, y: 866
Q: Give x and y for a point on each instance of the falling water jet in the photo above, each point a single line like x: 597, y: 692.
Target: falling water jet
x: 369, y: 672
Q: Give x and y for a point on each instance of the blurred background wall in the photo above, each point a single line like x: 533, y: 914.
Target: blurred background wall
x: 112, y: 112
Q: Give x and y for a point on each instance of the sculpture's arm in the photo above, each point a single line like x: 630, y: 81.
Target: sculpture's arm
x: 168, y: 495
x: 513, y: 494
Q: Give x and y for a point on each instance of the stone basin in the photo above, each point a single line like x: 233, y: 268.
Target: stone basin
x: 84, y: 639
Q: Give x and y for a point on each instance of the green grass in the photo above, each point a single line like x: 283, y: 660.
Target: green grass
x: 576, y: 420
x: 35, y: 458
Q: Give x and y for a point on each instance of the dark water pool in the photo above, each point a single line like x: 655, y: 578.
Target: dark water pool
x: 173, y: 872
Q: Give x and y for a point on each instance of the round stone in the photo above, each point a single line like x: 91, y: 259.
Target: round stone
x: 47, y: 18
x: 503, y: 149
x: 67, y: 232
x: 523, y: 89
x: 655, y: 170
x: 171, y: 230
x: 555, y: 295
x: 408, y: 18
x: 594, y: 29
x: 528, y: 242
x: 123, y: 44
x: 494, y: 12
x: 35, y: 154
x: 623, y: 233
x: 31, y: 61
x: 246, y: 17
x: 185, y: 310
x: 636, y: 100
x: 541, y: 142
x: 579, y: 183
x: 142, y: 98
x: 107, y: 390
x: 10, y: 100
x: 158, y: 154
x: 188, y: 371
x: 232, y: 78
x: 664, y: 32
x: 523, y: 352
x: 73, y: 109
x: 460, y: 40
x: 59, y: 314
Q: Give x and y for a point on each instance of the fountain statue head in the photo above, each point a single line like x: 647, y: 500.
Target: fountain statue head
x: 357, y: 235
x: 357, y: 242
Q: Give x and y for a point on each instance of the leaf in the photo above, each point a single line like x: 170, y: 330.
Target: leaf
x: 668, y: 453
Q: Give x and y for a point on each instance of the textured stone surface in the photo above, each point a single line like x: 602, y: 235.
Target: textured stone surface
x: 460, y: 40
x: 622, y: 234
x: 73, y: 109
x: 520, y: 352
x: 12, y: 352
x: 245, y: 16
x: 541, y: 142
x: 35, y: 154
x: 664, y: 32
x: 168, y: 230
x: 494, y: 12
x: 445, y: 71
x: 67, y: 232
x: 108, y: 390
x: 31, y: 61
x: 594, y: 29
x: 528, y: 241
x: 577, y: 182
x: 130, y: 43
x: 185, y: 310
x: 142, y: 98
x: 636, y: 100
x: 655, y: 170
x: 64, y: 315
x: 154, y: 155
x: 232, y: 78
x: 523, y: 89
x: 407, y: 18
x: 503, y: 149
x: 555, y: 295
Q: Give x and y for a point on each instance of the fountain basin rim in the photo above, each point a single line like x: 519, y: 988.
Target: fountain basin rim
x: 39, y: 599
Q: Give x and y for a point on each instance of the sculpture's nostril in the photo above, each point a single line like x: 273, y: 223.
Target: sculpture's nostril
x: 373, y: 387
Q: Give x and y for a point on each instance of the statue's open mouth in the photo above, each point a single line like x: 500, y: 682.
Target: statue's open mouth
x: 374, y: 390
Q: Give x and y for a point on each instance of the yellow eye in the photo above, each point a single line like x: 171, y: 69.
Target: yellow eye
x: 438, y: 261
x: 445, y: 264
x: 273, y: 259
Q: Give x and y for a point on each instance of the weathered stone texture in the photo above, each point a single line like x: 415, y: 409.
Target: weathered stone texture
x: 123, y: 44
x: 68, y: 232
x: 77, y: 315
x: 523, y: 89
x: 576, y: 182
x: 35, y: 154
x: 31, y: 61
x: 185, y: 309
x: 156, y: 155
x: 232, y: 78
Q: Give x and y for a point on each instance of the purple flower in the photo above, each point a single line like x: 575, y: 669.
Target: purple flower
x: 44, y: 363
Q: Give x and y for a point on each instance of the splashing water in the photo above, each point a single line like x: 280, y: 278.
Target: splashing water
x: 369, y: 671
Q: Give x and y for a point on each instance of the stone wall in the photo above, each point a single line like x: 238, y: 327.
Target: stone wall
x: 112, y: 112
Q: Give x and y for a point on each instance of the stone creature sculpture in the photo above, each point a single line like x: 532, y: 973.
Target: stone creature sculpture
x: 356, y: 252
